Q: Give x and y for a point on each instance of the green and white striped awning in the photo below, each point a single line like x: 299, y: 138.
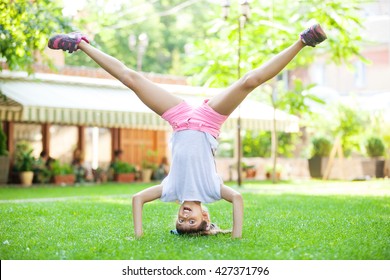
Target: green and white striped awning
x: 48, y: 98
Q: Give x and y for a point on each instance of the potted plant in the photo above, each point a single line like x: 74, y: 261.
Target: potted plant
x: 4, y: 158
x: 42, y: 174
x: 41, y: 168
x: 99, y: 175
x: 24, y: 162
x: 148, y: 166
x: 147, y: 170
x: 321, y: 147
x: 375, y: 149
x: 269, y: 169
x: 63, y: 173
x: 123, y: 172
x: 249, y: 170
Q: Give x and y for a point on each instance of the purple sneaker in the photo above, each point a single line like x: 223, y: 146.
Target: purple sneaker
x: 66, y: 42
x: 313, y: 35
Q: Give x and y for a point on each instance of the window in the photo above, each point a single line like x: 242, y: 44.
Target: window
x: 63, y: 141
x: 98, y: 147
x: 360, y: 74
x: 32, y: 133
x: 318, y: 74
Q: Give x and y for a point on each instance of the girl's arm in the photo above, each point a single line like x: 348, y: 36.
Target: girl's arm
x: 238, y: 209
x: 139, y: 199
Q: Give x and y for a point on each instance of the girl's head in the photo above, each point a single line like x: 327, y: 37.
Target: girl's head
x: 193, y: 219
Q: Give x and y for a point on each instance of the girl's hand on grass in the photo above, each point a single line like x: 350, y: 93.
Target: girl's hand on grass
x: 235, y: 198
x: 138, y: 201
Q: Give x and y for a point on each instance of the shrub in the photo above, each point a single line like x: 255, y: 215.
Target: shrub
x: 24, y: 160
x: 121, y: 167
x: 258, y: 144
x: 58, y: 168
x: 375, y: 147
x: 321, y: 147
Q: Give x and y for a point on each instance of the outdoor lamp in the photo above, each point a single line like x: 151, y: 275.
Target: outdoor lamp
x: 143, y: 40
x: 132, y: 42
x: 245, y: 9
x: 242, y: 19
x: 225, y: 8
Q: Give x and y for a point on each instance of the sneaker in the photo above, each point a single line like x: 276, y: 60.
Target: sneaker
x: 66, y: 42
x: 313, y: 35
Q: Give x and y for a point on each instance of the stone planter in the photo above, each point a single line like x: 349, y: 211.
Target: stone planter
x: 124, y: 177
x: 317, y: 166
x: 373, y: 168
x: 146, y: 175
x: 278, y: 175
x: 250, y: 173
x: 67, y: 179
x: 380, y: 169
x: 26, y: 178
x: 4, y: 169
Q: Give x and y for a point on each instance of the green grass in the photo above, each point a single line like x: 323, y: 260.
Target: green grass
x: 95, y: 222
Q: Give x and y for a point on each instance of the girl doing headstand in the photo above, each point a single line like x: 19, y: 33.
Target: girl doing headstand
x: 193, y: 178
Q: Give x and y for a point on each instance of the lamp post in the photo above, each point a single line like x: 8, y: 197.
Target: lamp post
x: 141, y: 43
x: 242, y: 19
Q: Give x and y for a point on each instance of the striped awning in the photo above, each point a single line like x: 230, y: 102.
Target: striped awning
x: 48, y: 98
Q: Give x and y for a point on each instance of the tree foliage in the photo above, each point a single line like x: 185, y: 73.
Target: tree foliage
x: 24, y: 29
x: 185, y: 37
x: 347, y: 121
x: 258, y: 144
x: 169, y: 25
x: 297, y: 99
x: 272, y: 27
x: 375, y: 147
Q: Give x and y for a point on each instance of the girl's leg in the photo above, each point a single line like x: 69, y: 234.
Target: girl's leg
x: 156, y: 98
x: 228, y: 100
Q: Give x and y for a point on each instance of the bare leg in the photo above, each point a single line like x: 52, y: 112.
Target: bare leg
x: 228, y: 100
x: 155, y: 97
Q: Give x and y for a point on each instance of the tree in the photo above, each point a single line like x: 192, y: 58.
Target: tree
x: 24, y: 29
x: 170, y: 25
x: 347, y: 121
x: 110, y: 27
x: 350, y: 124
x: 271, y: 29
x: 297, y: 101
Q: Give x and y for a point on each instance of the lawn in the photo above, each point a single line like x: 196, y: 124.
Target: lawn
x: 282, y: 222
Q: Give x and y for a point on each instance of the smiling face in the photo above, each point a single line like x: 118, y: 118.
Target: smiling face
x: 192, y: 218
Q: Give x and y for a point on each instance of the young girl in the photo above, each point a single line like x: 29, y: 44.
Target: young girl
x: 193, y: 178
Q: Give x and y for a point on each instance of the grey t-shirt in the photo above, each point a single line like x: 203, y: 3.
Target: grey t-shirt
x: 193, y: 175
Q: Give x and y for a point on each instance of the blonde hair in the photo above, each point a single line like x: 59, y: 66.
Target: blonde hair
x: 202, y: 230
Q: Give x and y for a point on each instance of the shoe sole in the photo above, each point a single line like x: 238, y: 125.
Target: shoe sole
x: 318, y: 30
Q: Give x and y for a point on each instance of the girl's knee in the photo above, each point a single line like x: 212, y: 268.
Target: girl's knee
x: 251, y: 81
x: 129, y: 78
